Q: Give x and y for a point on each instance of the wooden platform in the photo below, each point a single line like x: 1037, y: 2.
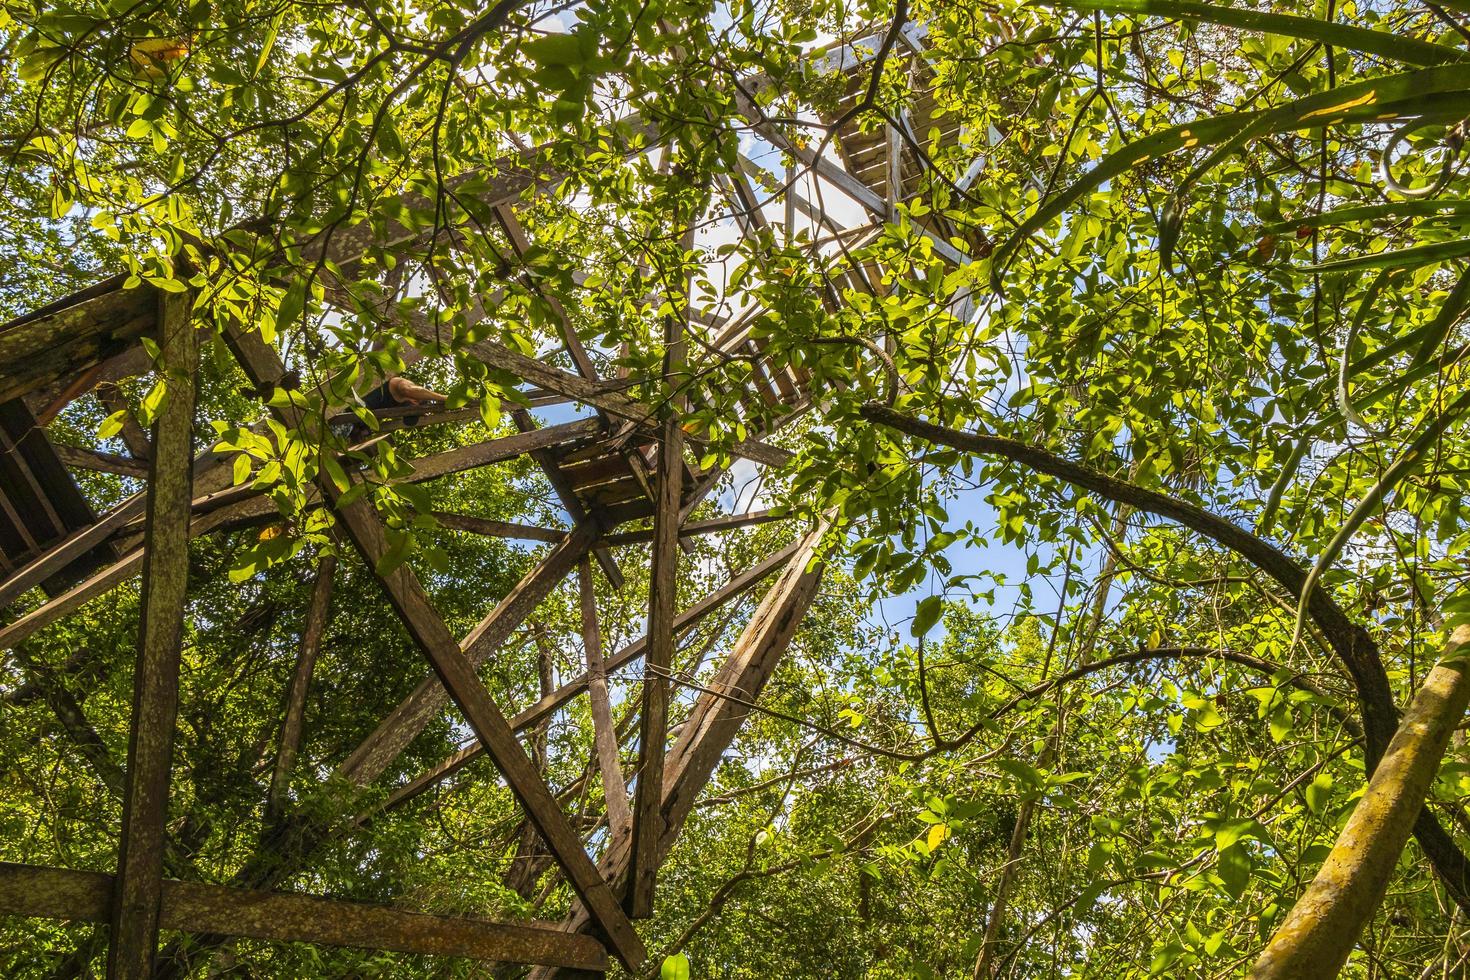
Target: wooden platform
x: 40, y: 503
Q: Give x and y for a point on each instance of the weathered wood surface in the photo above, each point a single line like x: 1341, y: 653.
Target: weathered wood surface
x: 395, y: 732
x: 693, y: 528
x: 722, y: 708
x: 103, y: 462
x: 648, y: 821
x: 64, y: 339
x: 295, y: 714
x: 545, y: 707
x: 457, y: 676
x: 86, y: 896
x: 498, y: 529
x: 604, y: 732
x: 134, y: 933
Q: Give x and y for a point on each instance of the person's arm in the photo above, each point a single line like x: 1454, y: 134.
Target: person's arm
x: 404, y: 390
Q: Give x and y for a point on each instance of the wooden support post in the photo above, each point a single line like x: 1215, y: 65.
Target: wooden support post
x: 663, y: 593
x: 604, y: 734
x: 648, y: 821
x: 291, y: 725
x: 137, y: 889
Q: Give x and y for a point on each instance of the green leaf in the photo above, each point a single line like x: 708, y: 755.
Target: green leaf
x: 1234, y: 869
x: 1388, y: 97
x: 240, y: 469
x: 269, y: 42
x: 555, y: 50
x: 674, y: 967
x: 926, y: 615
x: 153, y: 402
x: 1319, y: 792
x: 113, y: 424
x: 1231, y: 831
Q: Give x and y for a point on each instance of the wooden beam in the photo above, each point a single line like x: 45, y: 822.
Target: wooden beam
x: 66, y: 338
x: 63, y: 553
x: 545, y: 707
x: 498, y: 529
x: 368, y: 761
x: 291, y: 724
x: 457, y: 675
x: 715, y: 720
x: 245, y: 507
x: 501, y: 449
x: 604, y: 733
x: 714, y: 524
x: 455, y: 669
x: 86, y: 896
x: 137, y: 892
x: 102, y: 462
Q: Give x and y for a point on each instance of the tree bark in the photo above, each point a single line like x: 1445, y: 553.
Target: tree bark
x: 1319, y: 932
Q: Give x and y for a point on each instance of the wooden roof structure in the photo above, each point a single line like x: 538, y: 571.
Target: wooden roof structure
x: 625, y: 462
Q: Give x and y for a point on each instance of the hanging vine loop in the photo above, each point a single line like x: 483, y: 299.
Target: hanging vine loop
x: 1454, y: 142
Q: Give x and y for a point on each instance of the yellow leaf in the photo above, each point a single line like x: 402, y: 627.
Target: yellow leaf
x: 937, y: 835
x: 150, y: 53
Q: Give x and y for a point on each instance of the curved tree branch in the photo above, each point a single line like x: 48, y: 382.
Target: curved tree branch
x: 1349, y: 642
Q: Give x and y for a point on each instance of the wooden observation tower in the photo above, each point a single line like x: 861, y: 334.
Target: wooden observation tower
x: 622, y: 464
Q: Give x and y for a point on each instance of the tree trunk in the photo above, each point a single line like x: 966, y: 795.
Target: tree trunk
x: 1322, y: 927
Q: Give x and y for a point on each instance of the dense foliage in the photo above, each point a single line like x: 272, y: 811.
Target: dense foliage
x: 1113, y: 737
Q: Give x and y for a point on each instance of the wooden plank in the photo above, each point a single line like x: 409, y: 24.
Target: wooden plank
x: 392, y: 736
x: 64, y: 339
x: 137, y: 892
x: 604, y: 732
x: 501, y: 449
x: 457, y: 675
x: 86, y: 896
x: 291, y: 724
x: 545, y: 707
x: 41, y: 497
x: 551, y: 465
